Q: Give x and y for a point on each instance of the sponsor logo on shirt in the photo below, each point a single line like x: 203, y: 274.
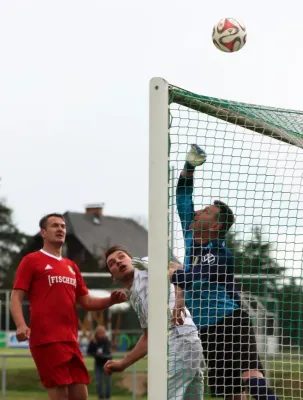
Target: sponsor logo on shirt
x: 71, y: 270
x: 208, y: 258
x: 52, y: 280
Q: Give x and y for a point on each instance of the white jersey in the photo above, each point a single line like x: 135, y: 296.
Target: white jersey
x: 139, y: 300
x: 185, y: 355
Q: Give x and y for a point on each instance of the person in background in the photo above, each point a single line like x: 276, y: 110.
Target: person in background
x: 100, y: 349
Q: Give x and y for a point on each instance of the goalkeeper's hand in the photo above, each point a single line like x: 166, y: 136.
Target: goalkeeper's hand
x: 139, y: 264
x: 195, y: 157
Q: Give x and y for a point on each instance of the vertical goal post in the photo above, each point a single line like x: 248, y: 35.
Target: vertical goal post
x: 158, y: 232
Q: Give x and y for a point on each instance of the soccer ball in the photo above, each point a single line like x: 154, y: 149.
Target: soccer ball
x: 229, y: 35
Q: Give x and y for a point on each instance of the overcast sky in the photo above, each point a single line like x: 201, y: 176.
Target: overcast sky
x: 74, y: 79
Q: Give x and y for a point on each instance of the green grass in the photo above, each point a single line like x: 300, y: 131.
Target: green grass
x: 22, y: 377
x: 286, y: 378
x: 28, y: 363
x: 12, y: 395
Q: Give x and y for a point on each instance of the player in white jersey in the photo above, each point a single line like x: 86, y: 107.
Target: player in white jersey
x: 186, y: 363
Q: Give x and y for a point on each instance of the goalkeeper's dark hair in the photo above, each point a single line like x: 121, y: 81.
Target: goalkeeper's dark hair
x: 113, y: 249
x: 43, y: 220
x: 225, y: 216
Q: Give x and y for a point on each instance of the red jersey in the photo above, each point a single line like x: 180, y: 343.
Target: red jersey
x: 53, y: 286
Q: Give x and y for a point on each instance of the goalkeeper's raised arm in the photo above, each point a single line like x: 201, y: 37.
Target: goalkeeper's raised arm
x: 194, y: 158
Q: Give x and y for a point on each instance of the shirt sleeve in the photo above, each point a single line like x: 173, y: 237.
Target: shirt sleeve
x: 140, y: 303
x: 203, y: 271
x: 145, y: 306
x: 81, y: 289
x: 24, y: 275
x: 184, y: 200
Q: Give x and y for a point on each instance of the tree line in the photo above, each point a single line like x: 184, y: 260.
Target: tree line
x: 254, y: 258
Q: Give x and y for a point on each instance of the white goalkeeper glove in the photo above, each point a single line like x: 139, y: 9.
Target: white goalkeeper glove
x: 195, y: 157
x: 139, y: 264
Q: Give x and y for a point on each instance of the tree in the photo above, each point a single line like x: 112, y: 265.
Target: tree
x: 290, y: 296
x: 254, y: 257
x: 11, y: 242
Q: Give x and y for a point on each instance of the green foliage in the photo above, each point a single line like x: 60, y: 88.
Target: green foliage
x: 255, y: 257
x: 11, y: 242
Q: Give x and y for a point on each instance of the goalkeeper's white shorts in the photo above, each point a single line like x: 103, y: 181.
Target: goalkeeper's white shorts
x: 186, y: 365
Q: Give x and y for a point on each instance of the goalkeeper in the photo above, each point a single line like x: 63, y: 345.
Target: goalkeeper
x: 185, y: 357
x: 226, y: 334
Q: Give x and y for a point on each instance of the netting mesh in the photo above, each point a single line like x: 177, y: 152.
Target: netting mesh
x: 254, y: 164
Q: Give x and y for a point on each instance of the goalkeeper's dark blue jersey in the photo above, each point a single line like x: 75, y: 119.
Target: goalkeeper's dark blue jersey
x: 208, y: 274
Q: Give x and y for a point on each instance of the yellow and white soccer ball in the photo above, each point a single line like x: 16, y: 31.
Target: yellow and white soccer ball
x: 229, y: 35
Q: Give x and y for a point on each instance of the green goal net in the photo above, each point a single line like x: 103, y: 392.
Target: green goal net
x: 255, y: 165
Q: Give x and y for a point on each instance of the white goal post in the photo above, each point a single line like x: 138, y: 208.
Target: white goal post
x: 158, y: 233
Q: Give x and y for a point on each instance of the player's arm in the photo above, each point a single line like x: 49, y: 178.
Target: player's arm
x: 179, y: 308
x: 185, y: 279
x: 184, y: 193
x: 213, y: 267
x: 15, y: 307
x: 22, y: 282
x: 91, y: 303
x: 138, y: 352
x: 178, y: 312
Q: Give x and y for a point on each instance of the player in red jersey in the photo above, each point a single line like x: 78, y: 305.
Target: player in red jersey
x: 54, y: 285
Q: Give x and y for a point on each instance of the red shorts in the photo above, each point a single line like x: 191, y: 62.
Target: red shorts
x: 60, y: 364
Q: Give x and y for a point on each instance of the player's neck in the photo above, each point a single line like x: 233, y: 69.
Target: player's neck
x: 53, y: 250
x: 128, y: 282
x: 201, y: 240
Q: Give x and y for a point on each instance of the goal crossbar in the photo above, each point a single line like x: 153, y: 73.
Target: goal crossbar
x: 245, y: 115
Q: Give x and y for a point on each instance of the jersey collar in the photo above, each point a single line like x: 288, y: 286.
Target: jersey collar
x: 50, y: 255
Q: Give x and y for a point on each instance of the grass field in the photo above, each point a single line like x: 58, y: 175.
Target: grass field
x: 286, y: 375
x: 28, y: 363
x: 12, y: 395
x: 23, y: 381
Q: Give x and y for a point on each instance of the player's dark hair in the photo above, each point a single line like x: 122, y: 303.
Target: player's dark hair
x: 113, y: 249
x: 226, y: 217
x: 43, y: 220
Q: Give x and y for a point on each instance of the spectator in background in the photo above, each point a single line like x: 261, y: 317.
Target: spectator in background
x: 100, y: 349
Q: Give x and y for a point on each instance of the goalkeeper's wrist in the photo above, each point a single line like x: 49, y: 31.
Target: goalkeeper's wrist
x: 188, y: 167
